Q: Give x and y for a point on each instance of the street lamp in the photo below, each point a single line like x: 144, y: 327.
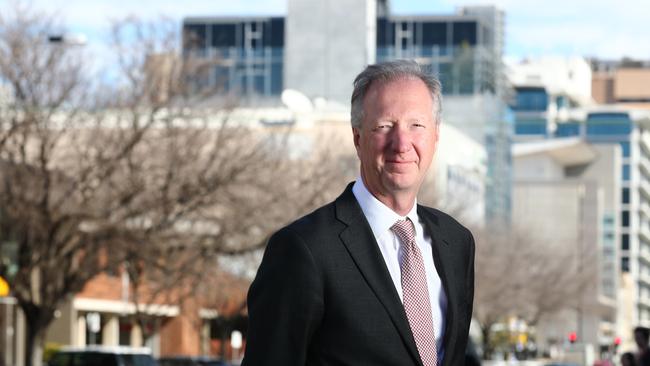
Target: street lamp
x: 68, y: 39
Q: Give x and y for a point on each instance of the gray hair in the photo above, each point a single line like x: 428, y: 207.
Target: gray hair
x: 389, y: 71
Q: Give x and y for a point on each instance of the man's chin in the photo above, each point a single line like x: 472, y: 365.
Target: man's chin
x: 401, y: 184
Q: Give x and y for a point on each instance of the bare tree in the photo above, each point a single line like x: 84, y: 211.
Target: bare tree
x: 520, y: 271
x: 520, y: 274
x: 140, y: 174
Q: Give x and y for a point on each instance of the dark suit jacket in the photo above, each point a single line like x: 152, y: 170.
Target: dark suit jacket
x: 323, y: 294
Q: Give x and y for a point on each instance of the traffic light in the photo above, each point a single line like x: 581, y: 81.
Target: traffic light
x: 573, y: 337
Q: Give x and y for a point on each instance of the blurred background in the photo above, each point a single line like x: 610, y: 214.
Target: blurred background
x: 149, y: 148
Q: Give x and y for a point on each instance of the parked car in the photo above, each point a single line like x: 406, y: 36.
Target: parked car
x: 102, y: 356
x: 191, y: 361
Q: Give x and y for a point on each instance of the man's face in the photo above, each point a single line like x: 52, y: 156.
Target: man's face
x: 398, y: 136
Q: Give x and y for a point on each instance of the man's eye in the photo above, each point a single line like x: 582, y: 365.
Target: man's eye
x: 383, y: 126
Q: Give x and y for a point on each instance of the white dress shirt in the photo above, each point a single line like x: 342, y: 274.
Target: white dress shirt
x: 381, y: 218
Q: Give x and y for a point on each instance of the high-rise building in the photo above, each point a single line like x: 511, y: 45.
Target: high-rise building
x: 567, y: 197
x: 546, y: 92
x: 623, y: 82
x: 327, y: 44
x: 244, y: 56
x: 465, y: 49
x: 545, y: 110
x: 258, y: 58
x: 264, y: 55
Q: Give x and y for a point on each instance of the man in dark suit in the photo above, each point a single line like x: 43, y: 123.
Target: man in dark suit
x: 371, y: 278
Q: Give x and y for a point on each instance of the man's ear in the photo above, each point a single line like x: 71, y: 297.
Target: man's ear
x: 356, y: 135
x: 436, y: 137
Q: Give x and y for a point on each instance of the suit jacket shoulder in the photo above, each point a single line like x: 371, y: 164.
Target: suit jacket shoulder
x: 323, y: 294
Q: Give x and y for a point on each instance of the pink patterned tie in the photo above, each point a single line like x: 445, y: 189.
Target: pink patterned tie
x: 416, y: 293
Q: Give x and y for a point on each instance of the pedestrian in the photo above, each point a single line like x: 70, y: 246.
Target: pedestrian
x: 628, y: 359
x: 641, y: 337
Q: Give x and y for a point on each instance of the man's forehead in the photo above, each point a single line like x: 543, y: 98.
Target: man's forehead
x: 379, y: 83
x: 378, y: 86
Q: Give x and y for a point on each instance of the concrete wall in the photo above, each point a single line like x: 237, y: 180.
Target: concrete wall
x: 602, y: 88
x: 632, y: 84
x: 458, y: 172
x: 564, y: 215
x: 605, y: 169
x: 327, y: 43
x: 60, y: 330
x: 566, y: 206
x: 537, y: 167
x: 560, y: 76
x: 181, y: 335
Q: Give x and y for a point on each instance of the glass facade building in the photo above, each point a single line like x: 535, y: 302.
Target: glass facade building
x: 249, y: 52
x: 248, y: 56
x: 458, y: 50
x: 465, y: 52
x: 607, y: 127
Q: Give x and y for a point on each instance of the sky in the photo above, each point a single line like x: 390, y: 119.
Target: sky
x: 605, y: 29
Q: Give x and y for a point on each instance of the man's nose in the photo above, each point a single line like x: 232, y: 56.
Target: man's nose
x: 401, y: 140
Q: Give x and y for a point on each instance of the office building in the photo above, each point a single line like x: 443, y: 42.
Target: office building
x: 547, y: 92
x: 257, y: 58
x: 567, y: 196
x: 244, y: 56
x: 623, y: 82
x: 544, y: 111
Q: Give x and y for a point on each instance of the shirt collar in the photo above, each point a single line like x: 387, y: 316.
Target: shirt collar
x: 380, y: 217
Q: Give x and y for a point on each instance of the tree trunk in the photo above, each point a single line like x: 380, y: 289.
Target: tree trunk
x: 37, y: 319
x: 486, y: 341
x: 35, y: 340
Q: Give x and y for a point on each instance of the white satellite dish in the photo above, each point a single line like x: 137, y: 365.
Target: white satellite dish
x: 296, y: 101
x: 320, y: 103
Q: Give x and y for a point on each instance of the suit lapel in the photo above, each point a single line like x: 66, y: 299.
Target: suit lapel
x: 362, y: 246
x: 442, y: 259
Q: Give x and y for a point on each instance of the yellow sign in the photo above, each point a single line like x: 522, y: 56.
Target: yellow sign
x: 4, y: 287
x: 523, y: 338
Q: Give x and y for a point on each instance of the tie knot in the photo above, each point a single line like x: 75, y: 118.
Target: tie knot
x: 405, y: 230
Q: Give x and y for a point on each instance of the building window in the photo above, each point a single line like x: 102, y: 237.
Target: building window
x: 274, y: 33
x: 224, y: 35
x: 434, y: 33
x: 385, y: 33
x: 531, y: 99
x: 530, y: 127
x: 625, y: 264
x: 609, y: 124
x: 625, y: 242
x: 626, y: 194
x: 194, y: 36
x: 568, y: 129
x: 625, y: 147
x: 625, y: 218
x: 626, y: 172
x: 464, y: 33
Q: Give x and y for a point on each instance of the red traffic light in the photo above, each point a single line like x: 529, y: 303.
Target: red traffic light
x: 617, y: 341
x: 573, y: 337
